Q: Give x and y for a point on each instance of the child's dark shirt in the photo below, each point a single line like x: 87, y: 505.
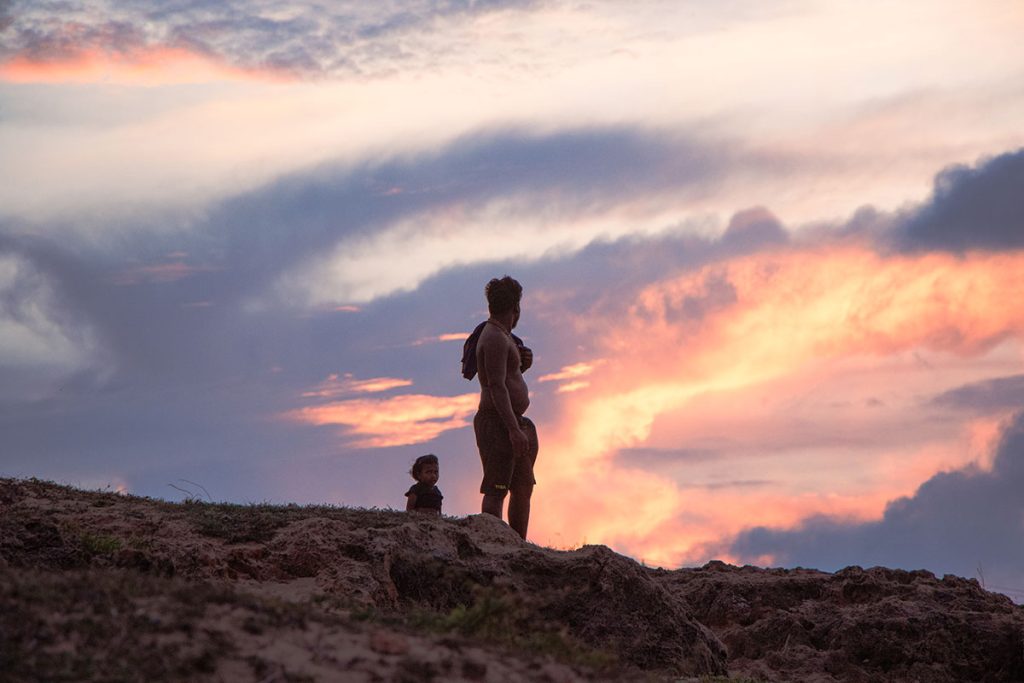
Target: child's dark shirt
x: 426, y: 496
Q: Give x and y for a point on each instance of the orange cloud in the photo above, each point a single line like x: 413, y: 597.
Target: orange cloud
x: 574, y: 373
x: 150, y: 66
x: 571, y: 386
x: 396, y: 421
x: 446, y: 337
x: 335, y: 386
x: 571, y: 372
x: 700, y: 356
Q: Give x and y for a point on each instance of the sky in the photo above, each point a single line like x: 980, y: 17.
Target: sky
x: 772, y: 257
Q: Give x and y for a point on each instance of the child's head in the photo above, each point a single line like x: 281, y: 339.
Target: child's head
x: 426, y: 469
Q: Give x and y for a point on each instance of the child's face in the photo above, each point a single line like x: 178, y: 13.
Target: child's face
x: 429, y: 474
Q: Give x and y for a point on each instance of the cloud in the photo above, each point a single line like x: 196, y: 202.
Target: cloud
x: 169, y: 271
x: 439, y: 338
x: 980, y: 207
x: 335, y: 386
x: 395, y: 421
x: 33, y: 331
x: 754, y: 228
x: 46, y: 342
x: 785, y: 333
x: 304, y: 39
x: 649, y: 458
x: 508, y: 195
x: 142, y: 67
x: 573, y: 371
x: 956, y: 522
x: 988, y: 396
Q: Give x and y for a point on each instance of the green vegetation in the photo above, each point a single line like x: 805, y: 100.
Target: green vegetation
x: 99, y: 544
x: 258, y: 522
x: 505, y: 619
x: 117, y: 625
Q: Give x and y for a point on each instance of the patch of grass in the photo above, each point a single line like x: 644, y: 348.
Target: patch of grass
x: 99, y: 544
x: 104, y: 624
x: 259, y: 522
x: 237, y: 524
x: 504, y: 618
x: 91, y: 625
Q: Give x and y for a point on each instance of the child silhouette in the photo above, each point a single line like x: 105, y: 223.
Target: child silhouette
x: 424, y: 496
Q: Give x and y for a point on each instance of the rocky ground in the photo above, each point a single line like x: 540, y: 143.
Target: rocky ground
x: 100, y: 586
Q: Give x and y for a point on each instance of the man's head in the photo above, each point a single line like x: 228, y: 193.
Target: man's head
x: 503, y: 296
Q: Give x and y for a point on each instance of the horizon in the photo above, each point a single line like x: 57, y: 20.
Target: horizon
x: 771, y: 258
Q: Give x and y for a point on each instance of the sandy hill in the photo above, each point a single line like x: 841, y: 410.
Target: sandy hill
x: 100, y: 586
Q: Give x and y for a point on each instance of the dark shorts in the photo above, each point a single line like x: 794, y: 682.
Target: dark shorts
x: 502, y: 471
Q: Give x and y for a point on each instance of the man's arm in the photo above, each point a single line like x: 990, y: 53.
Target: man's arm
x: 494, y: 349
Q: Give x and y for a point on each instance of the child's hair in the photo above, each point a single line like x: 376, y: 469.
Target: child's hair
x: 417, y: 467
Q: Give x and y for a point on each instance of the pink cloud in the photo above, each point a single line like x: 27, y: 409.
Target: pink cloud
x: 574, y: 371
x: 779, y: 362
x: 446, y: 337
x: 146, y: 66
x: 395, y: 421
x: 335, y: 386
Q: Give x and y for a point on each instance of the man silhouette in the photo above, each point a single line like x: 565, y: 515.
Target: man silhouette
x: 506, y: 439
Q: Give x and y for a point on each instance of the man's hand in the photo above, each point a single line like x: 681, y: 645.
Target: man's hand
x: 525, y: 358
x: 520, y: 442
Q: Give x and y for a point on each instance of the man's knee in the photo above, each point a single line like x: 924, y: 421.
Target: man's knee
x: 492, y: 504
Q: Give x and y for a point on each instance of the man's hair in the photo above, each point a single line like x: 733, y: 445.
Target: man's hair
x: 421, y: 462
x: 503, y: 295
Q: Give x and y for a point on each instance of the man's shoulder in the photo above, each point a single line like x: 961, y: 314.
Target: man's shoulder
x: 492, y: 335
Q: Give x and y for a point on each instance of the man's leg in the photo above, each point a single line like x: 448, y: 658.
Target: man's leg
x: 492, y: 505
x: 519, y: 510
x: 523, y: 482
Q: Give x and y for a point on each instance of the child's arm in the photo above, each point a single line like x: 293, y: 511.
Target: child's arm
x: 410, y: 502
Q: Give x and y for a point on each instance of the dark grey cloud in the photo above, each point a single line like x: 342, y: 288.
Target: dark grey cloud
x: 569, y: 172
x: 309, y: 39
x: 193, y: 360
x: 174, y: 306
x: 954, y: 523
x: 1000, y: 393
x: 980, y: 207
x: 6, y: 14
x: 755, y: 228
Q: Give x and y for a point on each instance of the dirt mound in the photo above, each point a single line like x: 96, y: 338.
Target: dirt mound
x: 103, y: 586
x: 855, y: 625
x: 593, y: 612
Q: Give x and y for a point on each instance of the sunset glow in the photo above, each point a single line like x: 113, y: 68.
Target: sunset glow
x: 396, y: 421
x: 786, y: 313
x: 161, y: 66
x: 772, y: 257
